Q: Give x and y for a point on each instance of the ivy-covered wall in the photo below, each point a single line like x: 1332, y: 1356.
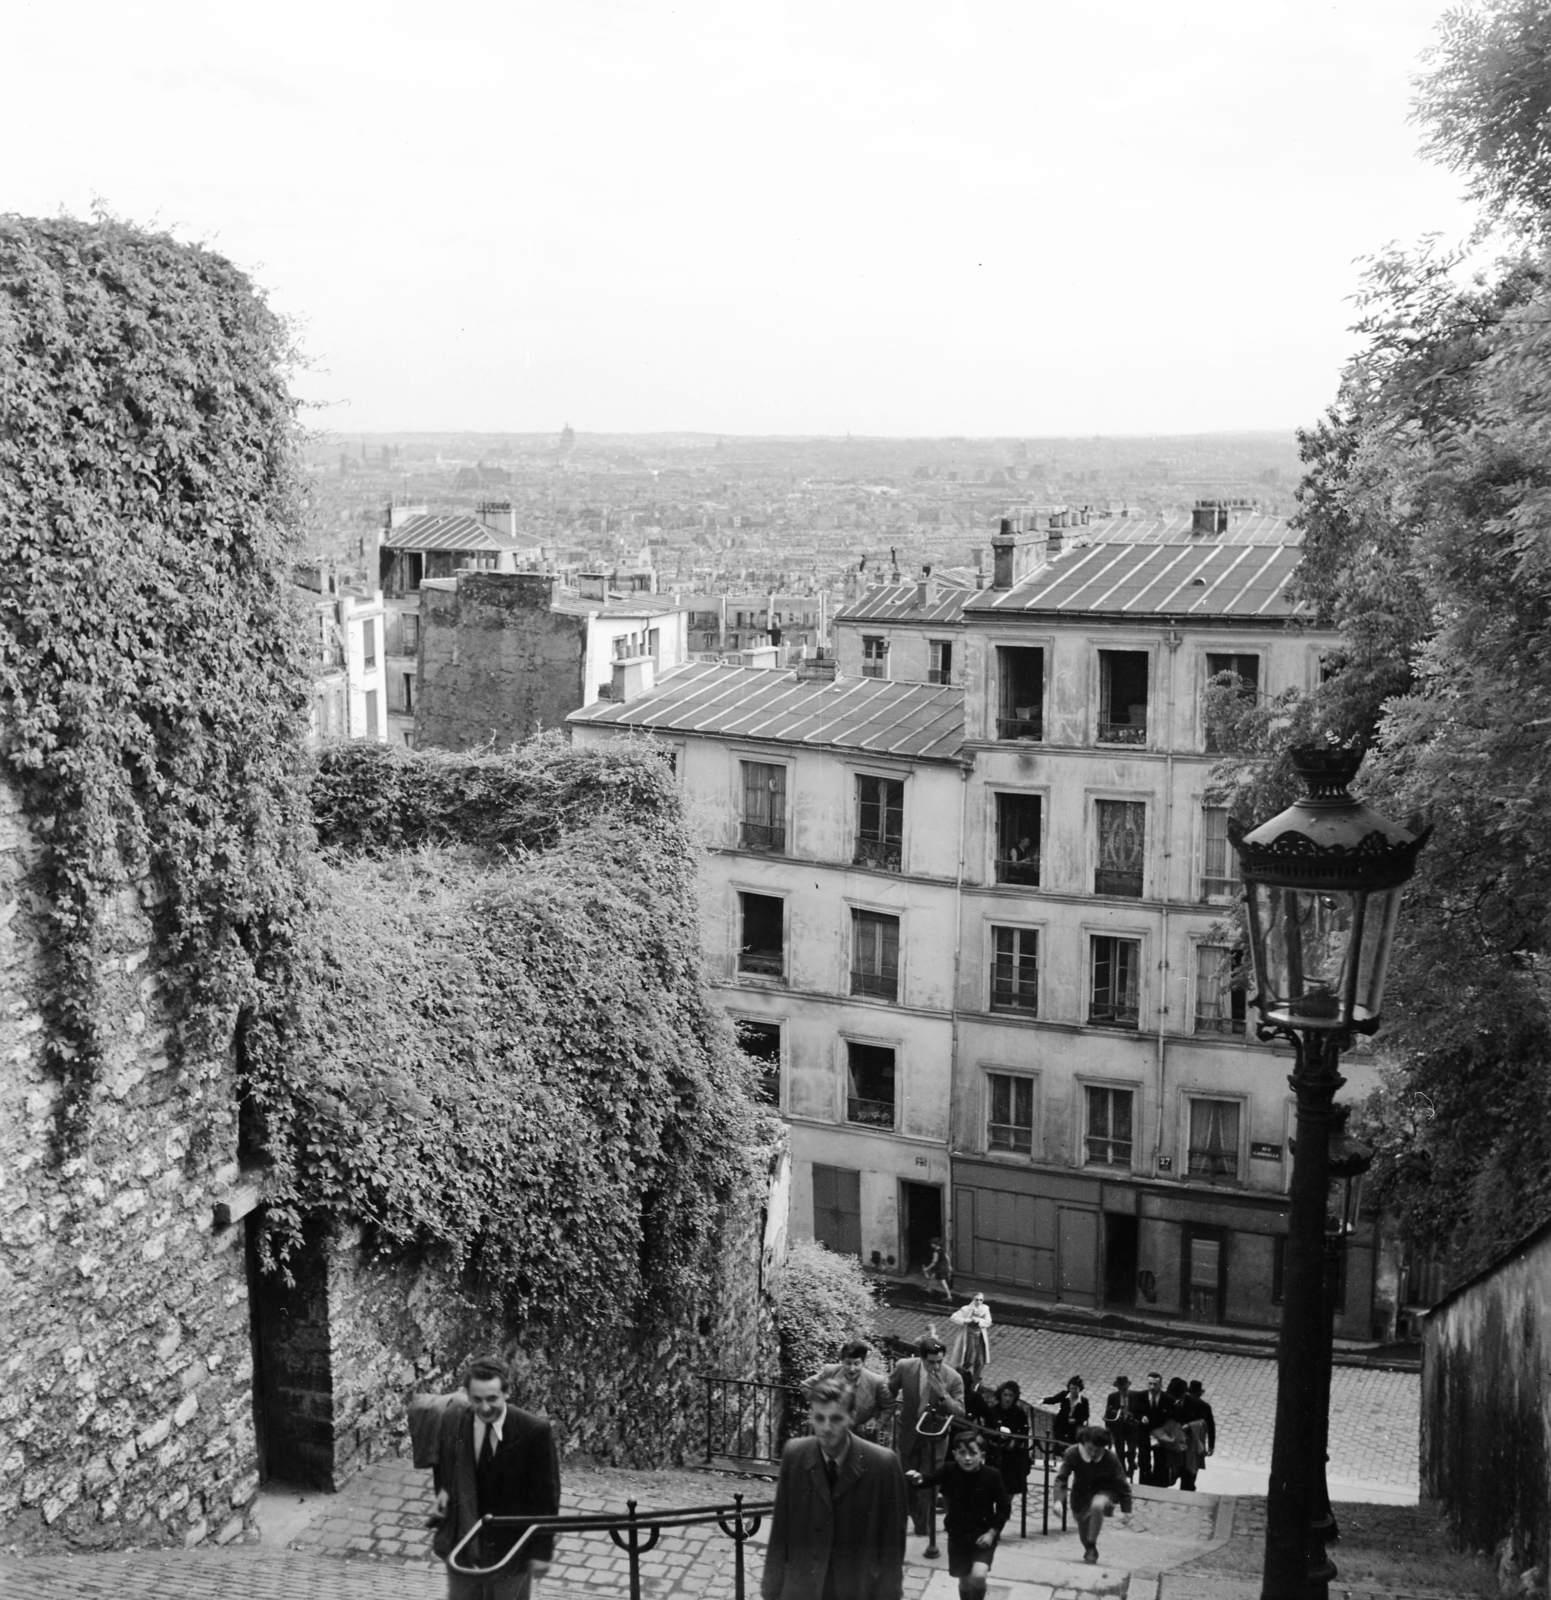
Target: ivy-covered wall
x: 464, y: 1048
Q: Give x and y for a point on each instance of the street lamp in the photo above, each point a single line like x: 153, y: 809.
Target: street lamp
x: 1322, y: 884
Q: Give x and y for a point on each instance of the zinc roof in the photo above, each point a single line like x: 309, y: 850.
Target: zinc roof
x: 1194, y: 578
x: 900, y: 602
x: 1248, y: 527
x: 447, y: 533
x: 917, y: 720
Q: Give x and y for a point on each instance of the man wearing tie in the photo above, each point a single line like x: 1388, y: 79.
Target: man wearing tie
x: 494, y: 1460
x: 1120, y: 1419
x: 838, y: 1530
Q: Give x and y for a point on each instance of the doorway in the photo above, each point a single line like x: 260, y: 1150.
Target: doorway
x: 921, y: 1222
x: 1204, y: 1274
x: 1120, y: 1257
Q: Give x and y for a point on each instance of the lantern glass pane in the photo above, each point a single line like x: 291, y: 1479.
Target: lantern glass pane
x: 1321, y: 955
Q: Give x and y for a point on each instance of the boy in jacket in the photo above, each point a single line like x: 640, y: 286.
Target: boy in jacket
x: 1098, y: 1485
x: 978, y: 1508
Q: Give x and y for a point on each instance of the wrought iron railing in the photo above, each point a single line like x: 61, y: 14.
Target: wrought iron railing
x: 762, y: 963
x: 880, y: 985
x: 1122, y: 732
x: 1111, y: 880
x: 871, y: 1113
x: 883, y: 855
x: 748, y: 1419
x: 769, y: 836
x: 636, y: 1533
x: 1018, y: 869
x: 1020, y: 728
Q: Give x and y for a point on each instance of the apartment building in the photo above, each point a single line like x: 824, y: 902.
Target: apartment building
x: 828, y: 913
x: 906, y: 632
x: 345, y: 646
x: 1065, y: 1078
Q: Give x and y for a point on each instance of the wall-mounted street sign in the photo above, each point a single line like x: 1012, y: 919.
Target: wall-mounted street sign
x: 1265, y: 1152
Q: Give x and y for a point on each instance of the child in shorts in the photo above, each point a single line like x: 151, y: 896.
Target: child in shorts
x: 978, y: 1508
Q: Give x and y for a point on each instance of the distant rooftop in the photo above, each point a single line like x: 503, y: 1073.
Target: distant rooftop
x: 449, y: 533
x: 1246, y: 527
x: 896, y: 719
x: 618, y: 604
x: 1214, y: 577
x: 901, y: 602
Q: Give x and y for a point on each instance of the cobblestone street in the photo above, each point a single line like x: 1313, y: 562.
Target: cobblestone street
x: 1373, y: 1412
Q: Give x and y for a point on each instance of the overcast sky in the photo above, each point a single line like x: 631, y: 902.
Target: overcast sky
x: 812, y: 216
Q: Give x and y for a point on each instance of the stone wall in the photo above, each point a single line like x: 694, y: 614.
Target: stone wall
x: 126, y: 1406
x: 1486, y: 1407
x: 495, y: 661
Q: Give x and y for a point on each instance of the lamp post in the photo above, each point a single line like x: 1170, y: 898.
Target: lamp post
x: 1322, y: 884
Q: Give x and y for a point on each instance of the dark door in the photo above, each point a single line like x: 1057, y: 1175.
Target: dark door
x: 1077, y: 1252
x: 1204, y: 1274
x: 1120, y: 1234
x: 837, y: 1209
x: 921, y: 1214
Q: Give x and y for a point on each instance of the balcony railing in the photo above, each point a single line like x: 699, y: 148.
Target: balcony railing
x: 942, y: 675
x: 1111, y: 1014
x: 1108, y: 880
x: 1214, y: 1165
x: 1123, y: 732
x: 1009, y: 995
x: 762, y: 963
x: 884, y: 857
x: 871, y: 1113
x: 1025, y: 727
x: 1019, y: 1141
x: 1018, y: 869
x: 769, y: 836
x: 1109, y: 1152
x: 1219, y: 888
x: 880, y: 985
x: 1217, y: 1024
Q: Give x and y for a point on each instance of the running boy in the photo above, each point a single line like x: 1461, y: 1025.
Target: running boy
x: 1098, y: 1484
x: 978, y: 1508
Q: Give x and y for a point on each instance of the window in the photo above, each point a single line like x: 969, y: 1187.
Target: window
x: 1246, y: 669
x: 1020, y: 693
x: 409, y: 633
x: 880, y: 822
x: 369, y: 644
x: 1010, y: 1125
x: 875, y: 955
x: 1122, y: 697
x: 1108, y: 1141
x: 761, y: 939
x: 371, y: 713
x: 870, y: 1085
x: 1219, y: 1005
x: 407, y: 691
x: 1122, y: 828
x: 1116, y: 966
x: 1219, y: 860
x: 761, y: 1042
x: 1015, y: 970
x: 875, y: 656
x: 653, y: 642
x: 1017, y: 839
x: 764, y: 807
x: 1214, y: 1139
x: 941, y: 668
x: 837, y: 1209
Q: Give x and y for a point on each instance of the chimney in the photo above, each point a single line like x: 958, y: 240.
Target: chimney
x: 633, y: 676
x: 1002, y: 547
x: 1210, y: 517
x: 926, y: 589
x: 978, y: 555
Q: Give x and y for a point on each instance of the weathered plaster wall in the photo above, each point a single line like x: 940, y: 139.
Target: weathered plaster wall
x: 495, y: 661
x: 126, y: 1409
x: 1486, y: 1405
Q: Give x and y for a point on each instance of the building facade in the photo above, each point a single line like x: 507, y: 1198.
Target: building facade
x: 1079, y: 1105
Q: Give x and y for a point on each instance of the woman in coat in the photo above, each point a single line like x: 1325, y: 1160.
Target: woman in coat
x: 1071, y: 1411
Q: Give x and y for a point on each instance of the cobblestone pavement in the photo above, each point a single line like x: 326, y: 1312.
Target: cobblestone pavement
x: 1374, y: 1422
x: 369, y: 1543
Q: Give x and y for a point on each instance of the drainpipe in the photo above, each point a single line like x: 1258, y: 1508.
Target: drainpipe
x: 953, y: 1013
x: 1172, y: 639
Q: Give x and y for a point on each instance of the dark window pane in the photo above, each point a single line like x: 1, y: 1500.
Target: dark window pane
x: 875, y: 955
x: 880, y: 823
x: 1123, y: 696
x: 764, y: 807
x: 1017, y: 839
x: 1015, y: 969
x: 1116, y: 964
x: 870, y: 1086
x: 761, y: 943
x: 1020, y: 693
x: 1122, y: 829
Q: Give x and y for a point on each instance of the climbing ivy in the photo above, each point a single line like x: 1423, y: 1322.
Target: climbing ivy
x: 496, y: 1042
x: 151, y: 686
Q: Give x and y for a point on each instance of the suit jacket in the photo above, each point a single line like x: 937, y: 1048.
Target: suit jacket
x: 908, y: 1380
x: 524, y: 1478
x: 1153, y: 1411
x: 853, y: 1541
x: 872, y: 1391
x: 1112, y: 1408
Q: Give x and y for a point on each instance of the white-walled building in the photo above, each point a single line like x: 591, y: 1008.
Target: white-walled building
x: 346, y: 645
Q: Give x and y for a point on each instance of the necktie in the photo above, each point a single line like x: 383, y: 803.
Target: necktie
x: 487, y: 1449
x: 829, y: 1473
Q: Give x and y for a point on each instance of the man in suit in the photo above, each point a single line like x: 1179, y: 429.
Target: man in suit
x: 838, y: 1531
x: 494, y: 1460
x: 1120, y: 1420
x: 873, y: 1399
x: 1152, y: 1411
x: 925, y: 1385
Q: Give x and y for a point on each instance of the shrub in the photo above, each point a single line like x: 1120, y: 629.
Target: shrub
x: 821, y: 1301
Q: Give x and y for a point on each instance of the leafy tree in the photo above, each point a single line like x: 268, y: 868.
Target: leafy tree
x: 821, y: 1300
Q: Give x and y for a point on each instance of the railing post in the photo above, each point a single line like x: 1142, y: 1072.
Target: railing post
x: 1044, y: 1451
x: 635, y: 1554
x: 931, y: 1525
x: 737, y: 1548
x: 1023, y: 1517
x: 708, y: 1382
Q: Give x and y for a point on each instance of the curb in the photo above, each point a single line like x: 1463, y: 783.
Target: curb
x: 901, y: 1298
